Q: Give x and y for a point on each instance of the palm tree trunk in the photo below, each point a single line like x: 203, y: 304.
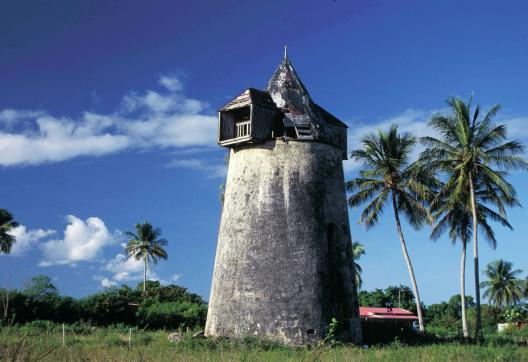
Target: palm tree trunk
x: 145, y: 274
x: 463, y: 289
x: 478, y: 329
x: 409, y: 266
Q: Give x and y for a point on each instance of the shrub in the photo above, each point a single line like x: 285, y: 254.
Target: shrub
x: 172, y: 315
x: 515, y: 314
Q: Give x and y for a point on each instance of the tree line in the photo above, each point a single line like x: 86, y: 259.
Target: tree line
x: 156, y: 306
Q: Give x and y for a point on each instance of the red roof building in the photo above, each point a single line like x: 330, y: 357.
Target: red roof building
x: 386, y: 313
x: 381, y: 325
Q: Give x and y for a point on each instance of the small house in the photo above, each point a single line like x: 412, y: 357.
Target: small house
x: 385, y: 324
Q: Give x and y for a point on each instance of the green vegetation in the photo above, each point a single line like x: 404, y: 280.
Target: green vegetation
x: 449, y: 214
x: 160, y: 306
x: 386, y: 173
x: 473, y: 154
x: 357, y: 251
x: 453, y: 185
x: 43, y: 342
x: 145, y: 245
x: 396, y: 296
x: 503, y: 287
x: 6, y: 224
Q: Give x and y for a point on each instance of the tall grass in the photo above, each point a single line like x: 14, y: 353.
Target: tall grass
x: 38, y: 343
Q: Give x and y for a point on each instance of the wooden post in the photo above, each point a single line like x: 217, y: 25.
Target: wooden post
x: 63, y: 336
x: 129, y: 337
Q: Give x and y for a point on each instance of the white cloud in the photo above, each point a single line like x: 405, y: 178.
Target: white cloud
x: 26, y: 239
x: 144, y: 120
x: 128, y: 269
x: 124, y: 270
x: 411, y: 120
x: 56, y: 140
x: 121, y: 264
x: 9, y: 117
x: 83, y: 241
x: 172, y: 84
x: 214, y: 170
x: 415, y: 121
x: 517, y: 127
x: 105, y: 282
x: 175, y: 278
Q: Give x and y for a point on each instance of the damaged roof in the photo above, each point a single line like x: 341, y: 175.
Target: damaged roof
x: 250, y: 96
x: 286, y: 92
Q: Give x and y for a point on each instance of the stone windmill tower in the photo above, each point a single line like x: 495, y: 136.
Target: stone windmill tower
x: 283, y: 265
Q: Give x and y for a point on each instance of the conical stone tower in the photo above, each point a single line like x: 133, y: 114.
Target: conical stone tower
x: 283, y: 265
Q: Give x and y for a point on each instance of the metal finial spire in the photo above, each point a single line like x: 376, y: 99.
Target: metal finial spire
x: 285, y: 52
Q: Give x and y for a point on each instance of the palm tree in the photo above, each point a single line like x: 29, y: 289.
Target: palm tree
x: 6, y: 224
x: 386, y: 176
x: 145, y: 245
x: 468, y: 150
x: 357, y: 251
x: 503, y: 287
x: 456, y: 218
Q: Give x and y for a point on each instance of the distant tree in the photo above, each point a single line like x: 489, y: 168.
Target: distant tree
x: 454, y: 216
x: 357, y: 251
x: 443, y: 315
x: 456, y: 299
x: 375, y: 298
x: 7, y: 223
x: 388, y: 178
x: 39, y: 287
x: 472, y: 150
x: 152, y: 285
x: 502, y: 287
x: 397, y: 296
x: 145, y: 245
x: 401, y: 296
x: 525, y: 288
x: 448, y: 314
x: 111, y: 306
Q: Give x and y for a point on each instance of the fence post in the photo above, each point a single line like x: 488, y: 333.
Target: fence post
x: 63, y: 336
x: 129, y: 337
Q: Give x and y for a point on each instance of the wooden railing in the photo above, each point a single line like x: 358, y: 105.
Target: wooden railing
x: 243, y: 129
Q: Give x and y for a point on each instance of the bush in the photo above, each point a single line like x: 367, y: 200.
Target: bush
x: 40, y: 327
x: 172, y: 315
x: 515, y: 314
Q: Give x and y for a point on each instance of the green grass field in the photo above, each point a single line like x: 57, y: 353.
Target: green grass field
x: 111, y: 344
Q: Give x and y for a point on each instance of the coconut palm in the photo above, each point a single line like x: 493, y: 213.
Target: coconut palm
x: 357, y: 251
x: 6, y: 224
x: 503, y: 287
x: 455, y: 217
x: 473, y: 149
x: 387, y: 177
x: 145, y: 245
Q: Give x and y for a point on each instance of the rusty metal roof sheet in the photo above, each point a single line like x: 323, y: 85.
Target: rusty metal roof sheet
x: 386, y: 313
x: 250, y: 95
x: 289, y: 94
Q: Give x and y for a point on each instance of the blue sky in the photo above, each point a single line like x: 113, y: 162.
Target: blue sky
x: 108, y: 109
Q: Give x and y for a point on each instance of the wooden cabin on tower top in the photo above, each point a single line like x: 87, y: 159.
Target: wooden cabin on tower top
x: 283, y: 110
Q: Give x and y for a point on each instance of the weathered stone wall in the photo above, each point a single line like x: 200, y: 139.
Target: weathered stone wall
x: 283, y: 264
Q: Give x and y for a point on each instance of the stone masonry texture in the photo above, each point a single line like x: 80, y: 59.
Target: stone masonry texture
x: 283, y: 265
